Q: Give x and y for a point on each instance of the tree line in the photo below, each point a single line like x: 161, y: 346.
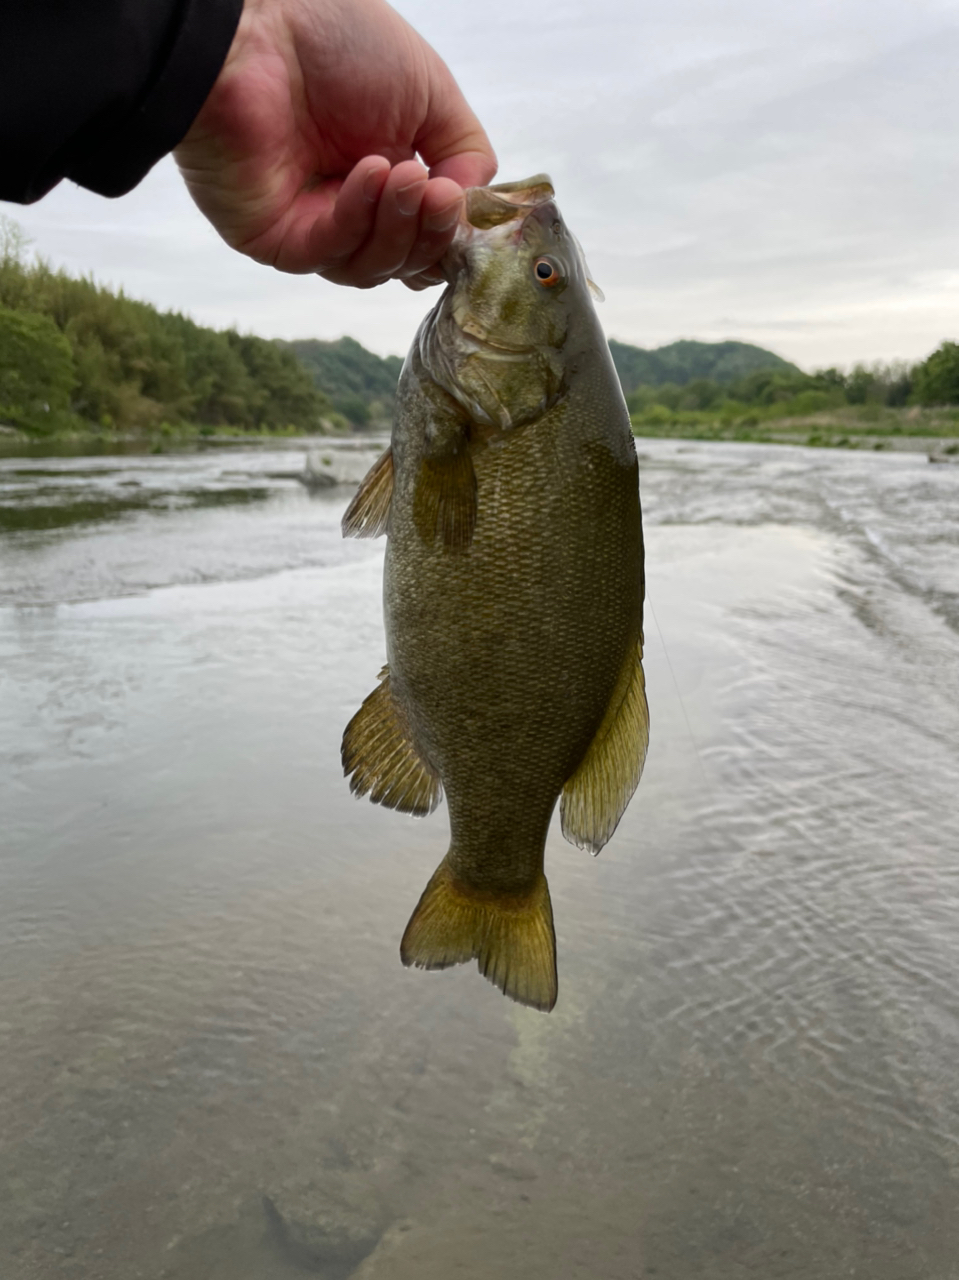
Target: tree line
x: 783, y: 389
x: 76, y: 355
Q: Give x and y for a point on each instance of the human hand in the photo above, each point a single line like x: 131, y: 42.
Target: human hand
x: 303, y: 154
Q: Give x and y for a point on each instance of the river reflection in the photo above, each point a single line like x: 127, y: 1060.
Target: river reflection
x: 213, y: 1066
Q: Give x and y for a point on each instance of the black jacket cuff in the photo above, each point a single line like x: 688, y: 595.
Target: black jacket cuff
x: 99, y: 90
x: 163, y: 118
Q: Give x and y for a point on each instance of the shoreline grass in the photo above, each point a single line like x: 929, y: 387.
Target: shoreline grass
x: 852, y: 427
x: 158, y: 437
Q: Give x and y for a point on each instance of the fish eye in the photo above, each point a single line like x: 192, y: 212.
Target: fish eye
x: 547, y: 272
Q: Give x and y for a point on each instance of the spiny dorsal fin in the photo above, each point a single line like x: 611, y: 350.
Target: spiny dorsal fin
x: 444, y: 503
x: 379, y: 754
x: 368, y: 513
x: 511, y: 938
x: 597, y: 794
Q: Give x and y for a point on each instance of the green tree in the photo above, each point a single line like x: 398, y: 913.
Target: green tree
x: 13, y: 241
x: 37, y: 372
x: 936, y: 380
x: 863, y: 386
x: 344, y: 368
x: 284, y: 392
x: 353, y: 408
x: 701, y: 393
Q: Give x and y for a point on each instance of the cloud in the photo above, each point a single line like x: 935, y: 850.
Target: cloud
x: 791, y: 163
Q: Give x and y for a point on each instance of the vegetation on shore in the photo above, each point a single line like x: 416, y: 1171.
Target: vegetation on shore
x: 76, y: 358
x: 850, y: 429
x: 828, y: 407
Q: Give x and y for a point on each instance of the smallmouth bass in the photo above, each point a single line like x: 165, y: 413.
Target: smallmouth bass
x: 513, y: 590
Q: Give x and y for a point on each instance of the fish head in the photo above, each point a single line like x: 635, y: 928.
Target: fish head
x: 518, y: 299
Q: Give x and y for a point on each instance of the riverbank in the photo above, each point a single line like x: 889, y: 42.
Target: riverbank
x: 167, y: 437
x: 913, y: 429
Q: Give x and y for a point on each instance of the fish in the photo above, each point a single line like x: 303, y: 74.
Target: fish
x: 513, y: 589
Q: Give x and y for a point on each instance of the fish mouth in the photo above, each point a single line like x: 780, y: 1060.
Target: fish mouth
x: 496, y: 350
x: 488, y: 207
x: 505, y: 210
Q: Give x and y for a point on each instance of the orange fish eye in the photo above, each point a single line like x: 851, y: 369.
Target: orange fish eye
x: 547, y: 272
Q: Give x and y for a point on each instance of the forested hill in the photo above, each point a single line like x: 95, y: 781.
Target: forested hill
x: 359, y: 383
x: 683, y: 362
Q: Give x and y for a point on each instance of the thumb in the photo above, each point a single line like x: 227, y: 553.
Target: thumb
x: 468, y: 168
x: 451, y: 140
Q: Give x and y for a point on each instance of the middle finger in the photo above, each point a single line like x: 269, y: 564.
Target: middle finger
x: 396, y: 227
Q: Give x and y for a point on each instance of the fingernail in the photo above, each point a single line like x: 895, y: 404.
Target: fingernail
x: 408, y: 198
x: 373, y: 185
x: 445, y: 218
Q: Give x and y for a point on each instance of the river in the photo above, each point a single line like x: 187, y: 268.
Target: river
x: 214, y: 1067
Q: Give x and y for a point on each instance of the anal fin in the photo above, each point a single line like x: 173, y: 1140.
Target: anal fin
x: 595, y: 797
x: 380, y: 759
x: 368, y: 513
x: 511, y: 937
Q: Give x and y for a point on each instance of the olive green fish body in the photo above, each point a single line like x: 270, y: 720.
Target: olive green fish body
x: 505, y: 656
x: 513, y: 597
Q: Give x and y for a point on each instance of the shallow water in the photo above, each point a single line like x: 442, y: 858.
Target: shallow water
x: 213, y: 1066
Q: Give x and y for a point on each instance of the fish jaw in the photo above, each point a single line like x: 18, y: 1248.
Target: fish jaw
x: 487, y: 207
x: 496, y: 339
x: 497, y: 388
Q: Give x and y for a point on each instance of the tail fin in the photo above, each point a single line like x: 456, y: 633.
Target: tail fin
x: 511, y: 937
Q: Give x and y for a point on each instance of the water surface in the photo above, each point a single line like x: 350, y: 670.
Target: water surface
x: 213, y: 1066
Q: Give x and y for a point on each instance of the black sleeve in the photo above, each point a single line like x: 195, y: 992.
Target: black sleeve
x: 99, y: 90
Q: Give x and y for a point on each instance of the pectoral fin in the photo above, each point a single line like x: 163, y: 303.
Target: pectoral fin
x: 597, y: 794
x: 368, y: 513
x: 379, y: 754
x: 444, y: 503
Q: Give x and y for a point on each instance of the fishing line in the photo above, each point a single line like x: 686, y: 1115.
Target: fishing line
x: 689, y: 727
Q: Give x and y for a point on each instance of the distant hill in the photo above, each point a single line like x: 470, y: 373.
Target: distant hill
x: 355, y: 379
x: 684, y: 361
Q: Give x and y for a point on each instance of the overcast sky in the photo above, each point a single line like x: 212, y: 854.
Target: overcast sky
x: 782, y: 173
